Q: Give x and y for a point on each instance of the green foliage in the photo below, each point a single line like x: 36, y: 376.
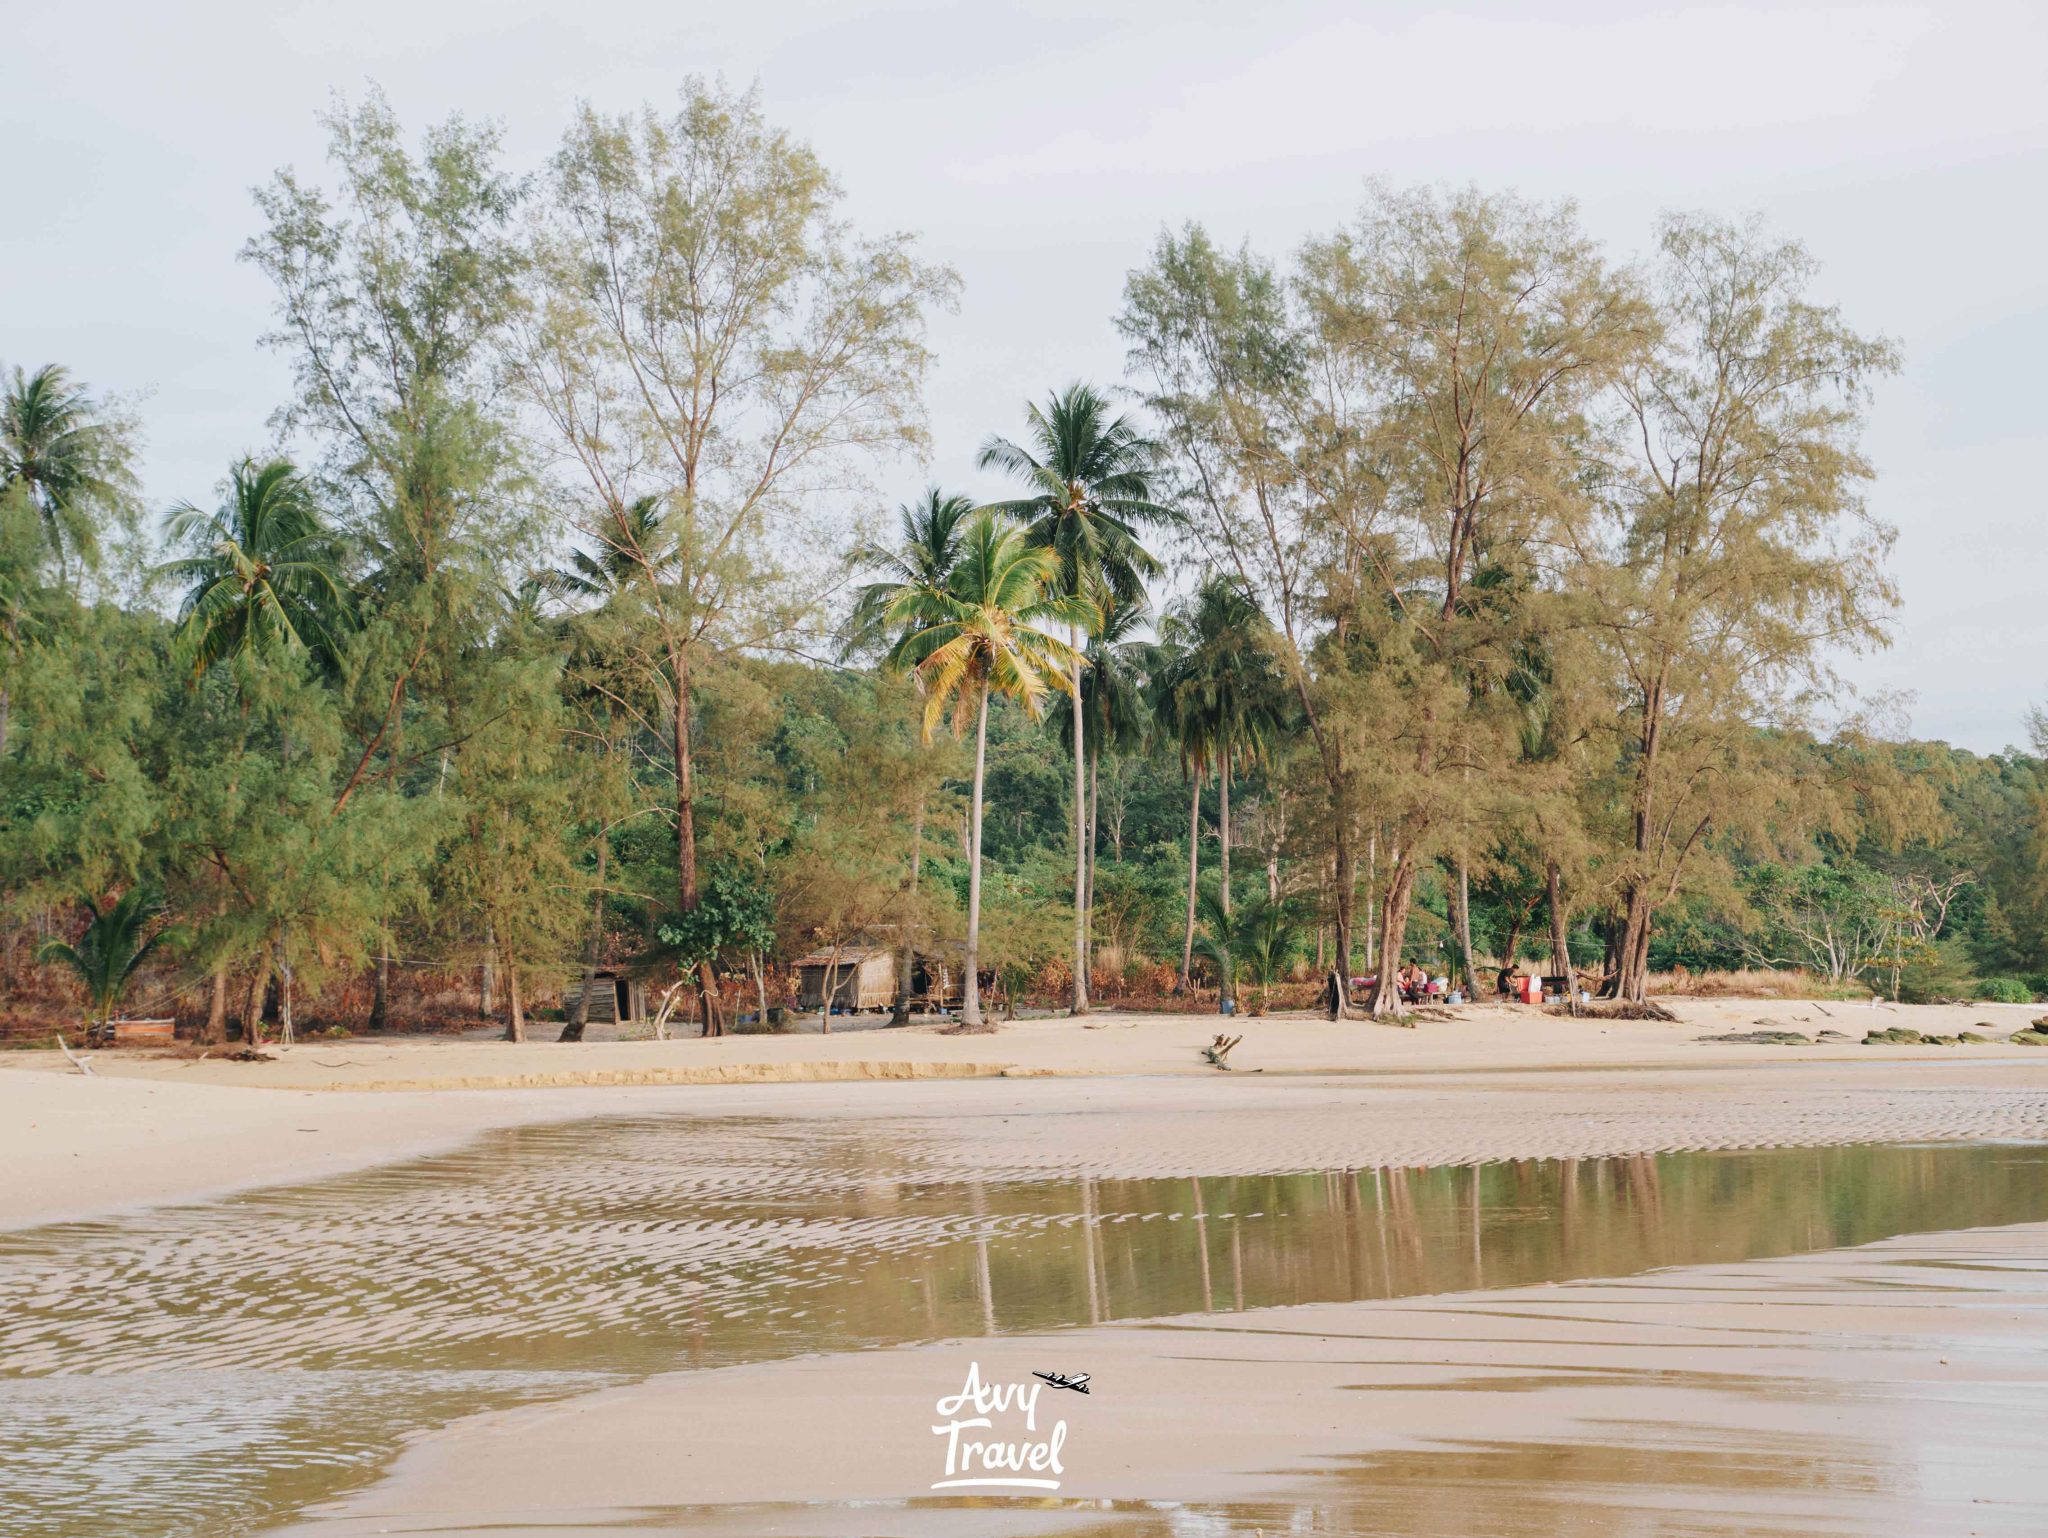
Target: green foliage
x: 736, y: 913
x: 2006, y: 990
x: 114, y: 945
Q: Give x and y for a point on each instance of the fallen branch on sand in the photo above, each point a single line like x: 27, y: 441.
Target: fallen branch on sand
x: 1624, y: 1010
x: 83, y: 1065
x: 1219, y: 1049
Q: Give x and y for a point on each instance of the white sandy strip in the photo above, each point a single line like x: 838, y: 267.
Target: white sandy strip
x: 1903, y: 1376
x: 75, y: 1147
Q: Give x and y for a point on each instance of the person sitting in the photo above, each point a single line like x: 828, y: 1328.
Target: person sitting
x: 1414, y: 983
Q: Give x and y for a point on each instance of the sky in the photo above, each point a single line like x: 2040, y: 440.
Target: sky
x: 1039, y: 149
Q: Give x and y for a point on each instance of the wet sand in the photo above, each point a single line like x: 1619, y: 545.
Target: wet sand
x: 1882, y: 1390
x: 1497, y: 1083
x: 1794, y: 1395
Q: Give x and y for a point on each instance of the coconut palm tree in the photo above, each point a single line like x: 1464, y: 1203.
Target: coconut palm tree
x: 264, y: 570
x: 113, y: 947
x: 263, y: 576
x: 1115, y: 717
x: 1219, y: 692
x: 637, y: 544
x: 1092, y: 482
x: 977, y: 636
x: 59, y: 445
x: 927, y: 545
x: 1259, y: 940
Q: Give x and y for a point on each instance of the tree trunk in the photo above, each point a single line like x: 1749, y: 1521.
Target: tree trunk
x: 711, y: 999
x: 593, y: 947
x: 286, y: 1032
x: 1080, y: 1005
x: 252, y: 1009
x: 1386, y: 993
x: 970, y: 985
x: 1346, y: 877
x: 1465, y: 928
x: 686, y: 799
x: 515, y: 1026
x: 487, y: 974
x: 380, y: 994
x: 1094, y: 808
x: 1635, y: 947
x: 1226, y: 996
x: 906, y: 950
x: 216, y: 1029
x: 1560, y: 940
x: 1372, y: 887
x: 1187, y: 948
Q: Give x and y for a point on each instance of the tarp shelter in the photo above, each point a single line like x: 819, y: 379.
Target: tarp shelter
x: 860, y: 977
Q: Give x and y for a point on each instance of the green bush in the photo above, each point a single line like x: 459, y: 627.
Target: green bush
x: 2005, y: 990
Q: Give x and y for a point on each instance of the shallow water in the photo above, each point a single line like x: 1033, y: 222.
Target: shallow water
x: 210, y: 1369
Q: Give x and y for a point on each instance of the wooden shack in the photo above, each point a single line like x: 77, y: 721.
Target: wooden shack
x: 860, y: 977
x: 615, y: 999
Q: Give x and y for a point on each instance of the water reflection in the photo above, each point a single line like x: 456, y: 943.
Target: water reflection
x: 204, y: 1369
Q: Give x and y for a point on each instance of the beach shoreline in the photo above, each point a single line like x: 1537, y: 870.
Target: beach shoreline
x: 148, y: 1129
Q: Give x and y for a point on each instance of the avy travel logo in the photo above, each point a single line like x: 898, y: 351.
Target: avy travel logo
x: 993, y: 1439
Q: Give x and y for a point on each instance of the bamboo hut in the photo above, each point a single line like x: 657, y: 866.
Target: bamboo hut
x: 857, y: 977
x: 615, y: 999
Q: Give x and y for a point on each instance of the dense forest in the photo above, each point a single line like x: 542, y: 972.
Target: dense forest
x: 1444, y: 590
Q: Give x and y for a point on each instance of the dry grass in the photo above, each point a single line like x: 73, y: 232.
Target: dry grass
x: 1743, y: 983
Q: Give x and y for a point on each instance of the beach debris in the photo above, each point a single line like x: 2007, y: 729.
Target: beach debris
x: 82, y: 1064
x: 1763, y: 1038
x: 1216, y: 1053
x: 1621, y: 1010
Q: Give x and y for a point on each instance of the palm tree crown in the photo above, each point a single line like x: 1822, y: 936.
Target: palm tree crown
x: 57, y: 443
x: 264, y: 572
x: 1092, y: 492
x: 929, y: 532
x: 636, y: 543
x: 978, y: 632
x: 1216, y: 688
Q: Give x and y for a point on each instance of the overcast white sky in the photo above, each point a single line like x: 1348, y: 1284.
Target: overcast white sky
x: 1039, y: 148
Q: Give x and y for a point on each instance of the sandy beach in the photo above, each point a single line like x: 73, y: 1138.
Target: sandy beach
x: 548, y: 1207
x: 152, y: 1128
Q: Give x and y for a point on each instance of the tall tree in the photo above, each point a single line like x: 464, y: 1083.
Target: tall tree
x: 1220, y: 689
x: 976, y: 637
x: 1115, y: 718
x: 928, y: 544
x: 64, y: 459
x: 70, y: 455
x: 1092, y: 479
x: 710, y: 331
x: 1741, y: 554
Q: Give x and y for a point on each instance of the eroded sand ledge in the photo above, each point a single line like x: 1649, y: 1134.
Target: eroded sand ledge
x: 1918, y: 1354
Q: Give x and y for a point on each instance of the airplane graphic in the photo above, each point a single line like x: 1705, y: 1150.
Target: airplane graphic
x: 1077, y: 1381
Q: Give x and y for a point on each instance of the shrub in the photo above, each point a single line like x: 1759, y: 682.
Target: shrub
x: 2005, y: 990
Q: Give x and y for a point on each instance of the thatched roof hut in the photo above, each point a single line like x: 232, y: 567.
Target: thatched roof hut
x: 857, y: 977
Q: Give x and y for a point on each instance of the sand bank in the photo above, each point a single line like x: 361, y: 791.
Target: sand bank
x: 1497, y: 1084
x: 1880, y: 1390
x: 1481, y: 1037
